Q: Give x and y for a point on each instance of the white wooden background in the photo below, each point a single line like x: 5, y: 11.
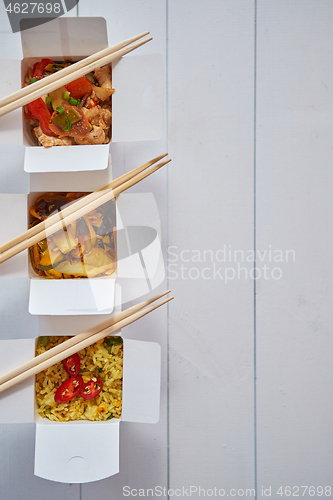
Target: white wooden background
x: 247, y: 366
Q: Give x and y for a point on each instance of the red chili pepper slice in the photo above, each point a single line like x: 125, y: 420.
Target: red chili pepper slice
x: 72, y: 365
x: 68, y: 389
x: 78, y: 88
x: 39, y: 68
x: 42, y: 113
x: 92, y: 388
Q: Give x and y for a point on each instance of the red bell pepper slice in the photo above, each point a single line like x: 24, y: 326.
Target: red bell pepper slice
x: 72, y: 365
x: 92, y: 388
x: 39, y: 68
x: 41, y: 112
x: 80, y: 87
x: 68, y: 389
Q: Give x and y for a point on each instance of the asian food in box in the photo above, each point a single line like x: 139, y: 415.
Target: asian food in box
x: 85, y: 248
x: 84, y: 386
x: 77, y: 113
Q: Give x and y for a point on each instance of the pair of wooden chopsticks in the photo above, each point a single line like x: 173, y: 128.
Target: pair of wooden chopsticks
x: 67, y: 75
x: 78, y: 209
x: 80, y: 341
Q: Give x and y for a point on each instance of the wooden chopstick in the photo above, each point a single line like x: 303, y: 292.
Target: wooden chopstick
x: 77, y: 205
x: 111, y: 330
x: 78, y: 338
x: 59, y: 80
x: 106, y: 196
x: 69, y: 70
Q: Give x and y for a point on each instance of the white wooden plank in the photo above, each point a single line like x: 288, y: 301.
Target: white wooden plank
x: 294, y: 211
x: 211, y: 89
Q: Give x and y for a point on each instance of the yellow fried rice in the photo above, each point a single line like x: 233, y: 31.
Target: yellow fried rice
x: 99, y: 360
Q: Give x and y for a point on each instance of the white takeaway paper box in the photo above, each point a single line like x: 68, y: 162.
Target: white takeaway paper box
x: 139, y: 259
x: 137, y: 104
x: 82, y: 451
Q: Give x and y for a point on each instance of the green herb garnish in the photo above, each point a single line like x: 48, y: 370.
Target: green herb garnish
x: 114, y: 340
x: 44, y: 341
x: 72, y: 101
x: 48, y: 101
x: 68, y: 126
x: 33, y: 80
x: 60, y: 109
x: 110, y: 416
x: 66, y: 94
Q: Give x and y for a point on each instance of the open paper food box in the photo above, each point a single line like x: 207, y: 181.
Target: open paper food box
x: 139, y: 259
x: 137, y: 104
x: 82, y: 451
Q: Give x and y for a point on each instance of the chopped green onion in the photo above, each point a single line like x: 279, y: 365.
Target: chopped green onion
x: 44, y: 341
x: 114, y: 340
x: 78, y: 102
x: 60, y: 109
x: 110, y: 416
x: 72, y: 101
x: 33, y: 80
x: 48, y: 101
x: 68, y: 126
x: 66, y: 95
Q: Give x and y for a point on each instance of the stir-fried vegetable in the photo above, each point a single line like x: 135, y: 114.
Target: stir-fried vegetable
x: 44, y: 341
x: 80, y: 87
x: 40, y: 68
x: 87, y: 246
x: 79, y: 123
x: 70, y: 121
x: 41, y: 112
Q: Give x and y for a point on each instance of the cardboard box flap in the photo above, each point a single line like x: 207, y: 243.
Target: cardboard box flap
x: 138, y: 239
x: 77, y: 452
x: 16, y: 267
x: 138, y: 209
x: 141, y: 381
x: 77, y: 296
x: 17, y: 403
x: 66, y: 36
x: 89, y: 157
x: 138, y: 109
x: 11, y: 130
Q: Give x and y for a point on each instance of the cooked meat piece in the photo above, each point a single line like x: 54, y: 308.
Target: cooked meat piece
x: 48, y: 141
x: 96, y: 136
x: 103, y: 76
